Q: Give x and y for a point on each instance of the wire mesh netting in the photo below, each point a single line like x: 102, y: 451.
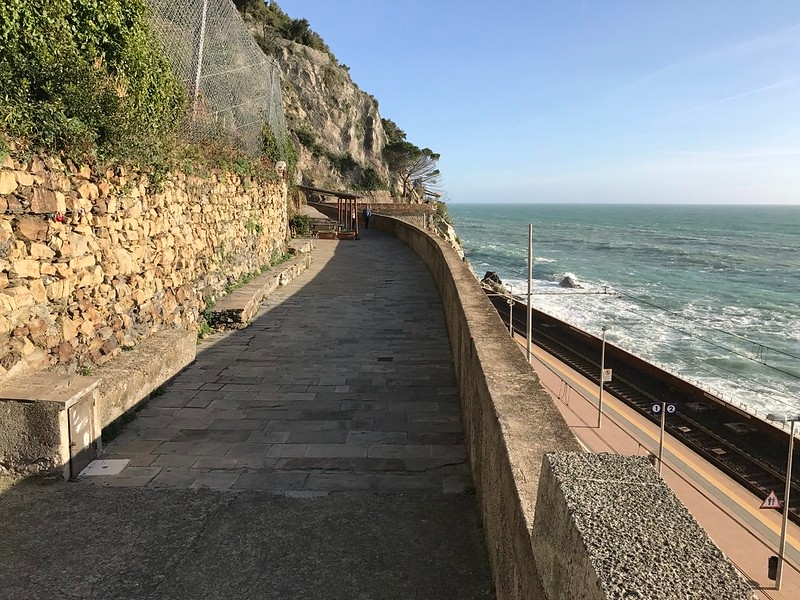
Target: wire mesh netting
x: 233, y: 87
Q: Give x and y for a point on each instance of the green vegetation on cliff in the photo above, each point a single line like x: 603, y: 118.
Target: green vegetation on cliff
x: 276, y: 23
x: 86, y: 77
x: 396, y: 164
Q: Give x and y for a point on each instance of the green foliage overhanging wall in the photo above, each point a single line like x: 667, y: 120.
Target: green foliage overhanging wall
x: 86, y: 77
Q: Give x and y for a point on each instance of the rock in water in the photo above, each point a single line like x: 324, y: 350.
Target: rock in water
x: 569, y: 281
x: 492, y: 281
x: 492, y: 277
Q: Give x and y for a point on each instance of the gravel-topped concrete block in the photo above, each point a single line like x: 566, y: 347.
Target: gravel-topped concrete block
x: 608, y: 527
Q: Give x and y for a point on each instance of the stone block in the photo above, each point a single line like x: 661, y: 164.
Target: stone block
x: 20, y: 297
x: 8, y: 183
x: 36, y: 436
x: 38, y: 291
x: 88, y: 191
x: 47, y: 201
x: 32, y: 228
x: 25, y: 268
x: 41, y: 252
x: 607, y: 526
x: 24, y: 178
x: 132, y: 376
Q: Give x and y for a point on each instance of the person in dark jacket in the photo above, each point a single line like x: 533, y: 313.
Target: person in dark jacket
x: 367, y: 214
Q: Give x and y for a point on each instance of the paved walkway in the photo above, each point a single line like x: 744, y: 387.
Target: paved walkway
x: 343, y: 383
x: 316, y: 454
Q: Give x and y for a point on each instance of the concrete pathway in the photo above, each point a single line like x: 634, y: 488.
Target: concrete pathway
x: 316, y: 454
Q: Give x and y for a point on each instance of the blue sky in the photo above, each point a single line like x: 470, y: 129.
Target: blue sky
x: 584, y: 101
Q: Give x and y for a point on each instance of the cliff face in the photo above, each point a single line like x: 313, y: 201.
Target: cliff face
x: 338, y: 129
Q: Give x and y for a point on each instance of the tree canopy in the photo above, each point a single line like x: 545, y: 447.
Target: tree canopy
x: 413, y: 166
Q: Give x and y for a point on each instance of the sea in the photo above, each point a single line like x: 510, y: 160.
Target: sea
x: 708, y: 293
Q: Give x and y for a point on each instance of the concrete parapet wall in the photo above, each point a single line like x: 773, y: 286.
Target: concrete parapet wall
x: 510, y: 422
x: 607, y: 526
x: 536, y: 549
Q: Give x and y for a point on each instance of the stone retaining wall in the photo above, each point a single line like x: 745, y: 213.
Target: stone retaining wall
x: 91, y: 261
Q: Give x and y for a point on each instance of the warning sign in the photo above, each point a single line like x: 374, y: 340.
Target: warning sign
x: 606, y: 375
x: 771, y: 501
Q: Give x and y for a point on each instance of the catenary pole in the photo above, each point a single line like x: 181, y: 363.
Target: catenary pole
x: 530, y: 281
x: 602, y: 374
x: 785, y: 519
x: 199, y: 67
x: 661, y: 437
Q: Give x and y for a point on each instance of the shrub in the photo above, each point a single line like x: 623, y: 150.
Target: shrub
x: 86, y: 78
x: 300, y: 225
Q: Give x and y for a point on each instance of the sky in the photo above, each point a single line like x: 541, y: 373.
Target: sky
x: 670, y: 101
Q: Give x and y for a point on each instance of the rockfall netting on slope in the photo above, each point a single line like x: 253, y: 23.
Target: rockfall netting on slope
x: 233, y: 87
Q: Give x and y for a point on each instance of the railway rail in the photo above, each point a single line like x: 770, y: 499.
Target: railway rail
x: 749, y: 450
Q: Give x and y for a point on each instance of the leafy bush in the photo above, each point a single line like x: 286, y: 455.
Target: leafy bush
x: 300, y: 225
x: 86, y: 77
x: 277, y: 151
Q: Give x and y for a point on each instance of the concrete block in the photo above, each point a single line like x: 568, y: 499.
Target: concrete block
x: 235, y: 310
x: 43, y: 430
x: 607, y: 526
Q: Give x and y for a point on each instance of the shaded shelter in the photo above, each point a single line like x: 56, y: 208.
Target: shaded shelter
x: 347, y: 205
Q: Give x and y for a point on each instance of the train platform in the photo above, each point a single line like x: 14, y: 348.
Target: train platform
x: 729, y: 513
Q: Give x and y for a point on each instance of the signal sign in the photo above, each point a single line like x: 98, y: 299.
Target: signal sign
x: 771, y: 501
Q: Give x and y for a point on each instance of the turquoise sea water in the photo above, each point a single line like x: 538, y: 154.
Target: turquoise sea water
x: 711, y: 293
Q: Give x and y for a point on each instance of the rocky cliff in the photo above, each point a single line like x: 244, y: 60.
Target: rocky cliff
x: 337, y: 126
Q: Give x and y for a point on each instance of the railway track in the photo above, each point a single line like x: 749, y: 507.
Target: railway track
x: 750, y: 451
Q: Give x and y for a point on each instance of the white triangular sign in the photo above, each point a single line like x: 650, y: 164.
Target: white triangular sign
x: 771, y: 501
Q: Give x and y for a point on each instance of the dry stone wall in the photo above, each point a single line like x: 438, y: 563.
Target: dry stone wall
x: 91, y: 262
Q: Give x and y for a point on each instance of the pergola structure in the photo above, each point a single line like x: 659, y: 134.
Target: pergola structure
x: 347, y: 205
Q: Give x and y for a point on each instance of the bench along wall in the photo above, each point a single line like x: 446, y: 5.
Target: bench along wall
x: 92, y: 261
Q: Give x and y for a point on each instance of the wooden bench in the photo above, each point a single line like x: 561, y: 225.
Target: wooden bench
x: 320, y: 225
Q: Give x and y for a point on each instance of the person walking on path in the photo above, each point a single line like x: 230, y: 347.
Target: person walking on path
x: 367, y: 214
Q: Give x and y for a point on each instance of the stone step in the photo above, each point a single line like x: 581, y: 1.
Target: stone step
x: 235, y: 310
